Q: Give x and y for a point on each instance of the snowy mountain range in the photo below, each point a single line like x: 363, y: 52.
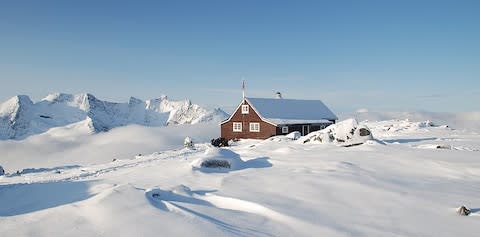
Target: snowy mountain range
x: 20, y: 117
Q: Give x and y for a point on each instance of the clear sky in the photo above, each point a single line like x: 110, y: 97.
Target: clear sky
x: 381, y: 55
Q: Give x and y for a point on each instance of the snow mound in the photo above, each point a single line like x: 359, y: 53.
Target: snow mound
x: 294, y: 135
x: 435, y: 146
x: 345, y: 133
x: 178, y: 193
x: 218, y: 158
x: 402, y: 126
x: 223, y: 160
x: 446, y: 147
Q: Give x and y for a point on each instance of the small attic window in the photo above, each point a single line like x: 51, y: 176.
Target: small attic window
x: 244, y: 109
x: 285, y: 129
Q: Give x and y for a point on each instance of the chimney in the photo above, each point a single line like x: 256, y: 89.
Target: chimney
x: 278, y: 95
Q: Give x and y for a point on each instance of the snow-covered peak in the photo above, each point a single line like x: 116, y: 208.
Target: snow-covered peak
x: 133, y: 101
x: 80, y: 101
x: 13, y: 104
x: 14, y: 108
x: 14, y: 116
x: 58, y: 97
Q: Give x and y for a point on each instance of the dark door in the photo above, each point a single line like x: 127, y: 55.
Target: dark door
x: 305, y: 129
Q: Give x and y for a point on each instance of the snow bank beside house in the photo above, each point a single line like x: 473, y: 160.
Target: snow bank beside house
x: 345, y: 133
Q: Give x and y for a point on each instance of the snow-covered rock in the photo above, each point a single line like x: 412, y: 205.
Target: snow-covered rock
x: 218, y: 158
x: 20, y: 117
x: 294, y: 135
x: 464, y: 211
x: 188, y: 142
x: 345, y: 133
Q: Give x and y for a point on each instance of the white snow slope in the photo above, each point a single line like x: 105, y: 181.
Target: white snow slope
x: 408, y: 182
x: 20, y: 117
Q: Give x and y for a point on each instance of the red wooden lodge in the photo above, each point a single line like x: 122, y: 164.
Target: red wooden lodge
x: 261, y: 118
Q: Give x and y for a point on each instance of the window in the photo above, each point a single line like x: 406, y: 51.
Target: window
x: 244, y: 109
x: 285, y: 129
x: 237, y: 127
x: 254, y: 127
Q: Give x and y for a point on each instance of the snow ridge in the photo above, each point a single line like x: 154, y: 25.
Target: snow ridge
x: 20, y: 117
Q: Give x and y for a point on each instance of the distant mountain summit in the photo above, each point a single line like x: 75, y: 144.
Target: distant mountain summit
x: 20, y: 117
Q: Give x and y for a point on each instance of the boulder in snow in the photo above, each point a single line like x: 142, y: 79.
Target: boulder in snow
x: 219, y: 142
x: 218, y: 158
x: 216, y: 163
x: 426, y: 124
x: 345, y: 133
x: 188, y: 143
x: 464, y: 211
x: 2, y: 171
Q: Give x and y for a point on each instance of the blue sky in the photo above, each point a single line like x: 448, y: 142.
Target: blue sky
x: 380, y: 55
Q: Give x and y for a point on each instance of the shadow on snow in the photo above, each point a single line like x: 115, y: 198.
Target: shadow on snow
x: 171, y: 201
x: 18, y: 199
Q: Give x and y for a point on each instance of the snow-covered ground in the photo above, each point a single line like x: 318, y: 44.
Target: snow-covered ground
x: 407, y: 182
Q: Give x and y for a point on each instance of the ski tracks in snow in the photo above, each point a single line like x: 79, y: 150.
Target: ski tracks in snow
x: 80, y: 173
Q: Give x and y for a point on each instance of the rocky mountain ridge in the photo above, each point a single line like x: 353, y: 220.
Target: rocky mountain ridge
x: 20, y: 117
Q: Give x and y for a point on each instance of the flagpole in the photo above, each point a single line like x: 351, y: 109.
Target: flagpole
x: 243, y: 88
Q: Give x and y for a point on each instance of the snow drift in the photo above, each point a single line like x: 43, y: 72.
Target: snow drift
x: 223, y: 160
x: 461, y: 120
x: 218, y: 158
x: 20, y: 117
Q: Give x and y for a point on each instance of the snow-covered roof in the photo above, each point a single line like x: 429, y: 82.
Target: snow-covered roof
x: 297, y: 121
x: 289, y: 111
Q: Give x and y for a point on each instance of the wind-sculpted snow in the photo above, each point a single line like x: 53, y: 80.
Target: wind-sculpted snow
x: 181, y: 197
x: 20, y: 117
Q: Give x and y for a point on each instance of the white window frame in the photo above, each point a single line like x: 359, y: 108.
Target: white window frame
x: 245, y: 109
x: 237, y: 126
x: 254, y: 127
x: 285, y: 129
